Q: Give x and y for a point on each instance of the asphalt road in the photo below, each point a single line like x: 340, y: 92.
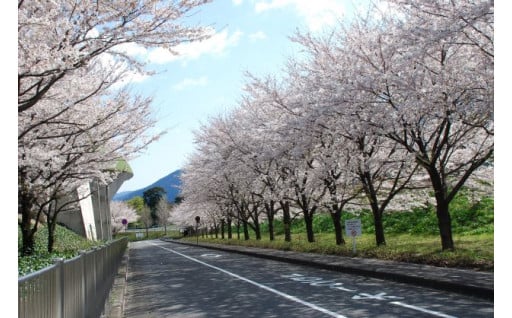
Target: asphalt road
x: 172, y: 280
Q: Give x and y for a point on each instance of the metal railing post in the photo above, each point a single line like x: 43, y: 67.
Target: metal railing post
x: 84, y: 283
x: 56, y: 292
x: 59, y: 283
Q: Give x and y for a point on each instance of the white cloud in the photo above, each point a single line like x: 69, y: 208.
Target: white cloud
x: 217, y: 44
x: 120, y: 71
x: 161, y: 56
x: 130, y: 77
x: 260, y: 35
x: 237, y: 2
x: 190, y: 82
x: 317, y: 14
x: 261, y: 6
x: 131, y: 49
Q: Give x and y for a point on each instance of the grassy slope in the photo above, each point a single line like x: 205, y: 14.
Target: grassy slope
x: 67, y: 245
x: 410, y: 236
x: 471, y: 251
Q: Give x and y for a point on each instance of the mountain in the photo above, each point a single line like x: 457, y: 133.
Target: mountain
x: 170, y: 183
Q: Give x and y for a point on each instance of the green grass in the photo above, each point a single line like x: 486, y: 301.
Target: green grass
x: 67, y: 245
x: 471, y: 251
x: 410, y: 236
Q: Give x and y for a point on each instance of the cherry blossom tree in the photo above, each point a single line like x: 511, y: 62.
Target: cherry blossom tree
x: 202, y: 187
x: 74, y: 148
x: 58, y: 37
x: 146, y: 218
x: 340, y: 182
x: 184, y: 214
x: 408, y: 86
x: 217, y: 141
x: 284, y: 148
x: 163, y: 212
x: 73, y: 125
x: 432, y: 81
x: 120, y: 211
x: 260, y: 147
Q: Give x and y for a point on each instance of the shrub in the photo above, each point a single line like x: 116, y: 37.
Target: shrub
x: 467, y: 217
x: 67, y: 245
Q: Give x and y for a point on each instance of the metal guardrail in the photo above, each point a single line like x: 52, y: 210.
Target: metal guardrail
x: 75, y: 288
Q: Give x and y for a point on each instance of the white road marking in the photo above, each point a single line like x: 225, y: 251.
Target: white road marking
x: 317, y: 281
x: 435, y: 313
x: 380, y: 296
x: 289, y: 297
x: 209, y: 255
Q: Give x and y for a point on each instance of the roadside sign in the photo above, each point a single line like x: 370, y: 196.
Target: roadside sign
x: 353, y: 227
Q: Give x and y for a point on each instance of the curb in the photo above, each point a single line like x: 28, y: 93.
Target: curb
x: 114, y: 305
x: 472, y: 283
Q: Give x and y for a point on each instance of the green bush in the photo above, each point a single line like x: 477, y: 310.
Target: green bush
x: 323, y: 223
x: 67, y: 245
x: 468, y: 217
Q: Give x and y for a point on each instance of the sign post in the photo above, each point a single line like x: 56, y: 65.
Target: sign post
x: 125, y: 223
x: 353, y: 229
x: 198, y: 219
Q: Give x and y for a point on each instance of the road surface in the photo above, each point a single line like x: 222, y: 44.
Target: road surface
x: 172, y: 280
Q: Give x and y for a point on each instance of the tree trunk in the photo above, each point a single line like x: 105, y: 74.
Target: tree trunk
x: 379, y: 228
x: 444, y: 222
x: 222, y: 228
x: 336, y: 220
x: 246, y: 230
x: 51, y: 236
x: 257, y: 230
x: 25, y: 205
x: 286, y: 220
x: 371, y: 194
x: 269, y: 207
x: 51, y: 221
x: 230, y: 229
x: 238, y: 228
x: 28, y: 241
x: 308, y: 217
x: 308, y: 220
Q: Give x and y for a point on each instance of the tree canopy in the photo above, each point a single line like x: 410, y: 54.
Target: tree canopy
x: 381, y: 112
x: 152, y: 198
x: 76, y: 119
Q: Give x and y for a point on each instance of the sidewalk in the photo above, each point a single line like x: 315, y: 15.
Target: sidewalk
x: 468, y: 282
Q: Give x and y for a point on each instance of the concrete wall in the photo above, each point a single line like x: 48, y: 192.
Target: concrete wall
x: 93, y: 219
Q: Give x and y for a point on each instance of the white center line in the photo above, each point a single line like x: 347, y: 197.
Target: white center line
x: 435, y: 313
x: 289, y: 297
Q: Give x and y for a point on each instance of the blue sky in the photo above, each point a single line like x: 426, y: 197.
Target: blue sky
x: 207, y: 78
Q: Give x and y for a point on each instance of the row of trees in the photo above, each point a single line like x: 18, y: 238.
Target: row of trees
x: 137, y: 209
x: 74, y: 122
x: 390, y: 111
